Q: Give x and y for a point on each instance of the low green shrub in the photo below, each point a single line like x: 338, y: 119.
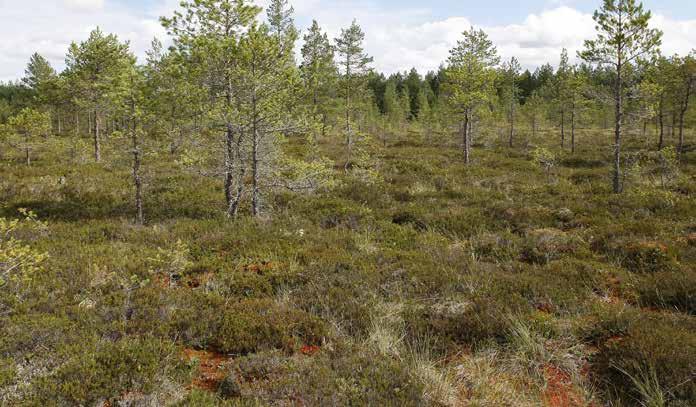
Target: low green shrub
x: 8, y: 372
x: 542, y: 246
x: 472, y: 322
x: 634, y: 247
x: 260, y: 366
x: 647, y: 257
x: 357, y: 377
x: 605, y: 321
x: 257, y: 324
x: 660, y: 343
x: 674, y: 290
x: 229, y: 387
x: 106, y: 371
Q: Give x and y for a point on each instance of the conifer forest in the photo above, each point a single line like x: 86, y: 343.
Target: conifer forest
x: 252, y: 214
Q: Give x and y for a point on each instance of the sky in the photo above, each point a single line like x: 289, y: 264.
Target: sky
x: 400, y: 34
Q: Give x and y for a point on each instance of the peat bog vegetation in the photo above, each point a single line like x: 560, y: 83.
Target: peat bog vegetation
x: 321, y: 236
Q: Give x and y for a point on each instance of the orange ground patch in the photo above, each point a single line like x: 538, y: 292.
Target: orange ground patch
x: 560, y: 391
x: 309, y: 350
x: 212, y: 368
x: 260, y: 268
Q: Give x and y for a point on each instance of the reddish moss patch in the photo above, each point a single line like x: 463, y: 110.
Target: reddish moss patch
x: 260, y: 268
x: 560, y: 391
x: 212, y: 368
x: 309, y: 350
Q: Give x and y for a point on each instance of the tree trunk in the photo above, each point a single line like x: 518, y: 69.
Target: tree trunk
x: 229, y: 159
x: 572, y: 131
x: 470, y: 132
x: 27, y: 150
x: 349, y: 136
x: 137, y: 179
x: 233, y: 208
x: 682, y: 113
x: 680, y: 146
x: 97, y: 142
x: 255, y: 198
x: 617, y: 131
x: 562, y: 129
x: 674, y: 124
x: 512, y: 123
x: 465, y: 137
x: 661, y: 122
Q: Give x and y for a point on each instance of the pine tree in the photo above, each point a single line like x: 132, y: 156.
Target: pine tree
x: 206, y: 36
x: 28, y: 126
x: 413, y: 84
x: 623, y: 36
x: 38, y: 73
x: 405, y: 105
x: 46, y: 86
x: 511, y: 73
x: 469, y: 80
x: 96, y: 70
x: 392, y: 107
x: 354, y: 63
x: 265, y: 95
x: 560, y: 91
x: 533, y: 108
x: 319, y: 73
x: 576, y: 88
x: 685, y: 89
x: 659, y: 77
x: 426, y: 111
x: 134, y: 110
x: 281, y: 22
x: 424, y: 96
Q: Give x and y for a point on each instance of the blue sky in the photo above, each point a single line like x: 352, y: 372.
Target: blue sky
x: 400, y: 34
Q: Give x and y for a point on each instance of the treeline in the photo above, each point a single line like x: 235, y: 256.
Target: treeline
x: 229, y: 93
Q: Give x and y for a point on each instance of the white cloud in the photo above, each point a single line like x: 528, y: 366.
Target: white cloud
x: 48, y: 27
x: 397, y: 38
x: 87, y: 5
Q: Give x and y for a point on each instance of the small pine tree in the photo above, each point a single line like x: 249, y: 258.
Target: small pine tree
x: 29, y: 126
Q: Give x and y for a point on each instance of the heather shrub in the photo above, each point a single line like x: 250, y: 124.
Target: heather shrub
x: 105, y: 371
x: 663, y: 344
x: 252, y: 325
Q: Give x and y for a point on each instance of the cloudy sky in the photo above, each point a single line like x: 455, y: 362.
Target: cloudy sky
x: 400, y: 33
